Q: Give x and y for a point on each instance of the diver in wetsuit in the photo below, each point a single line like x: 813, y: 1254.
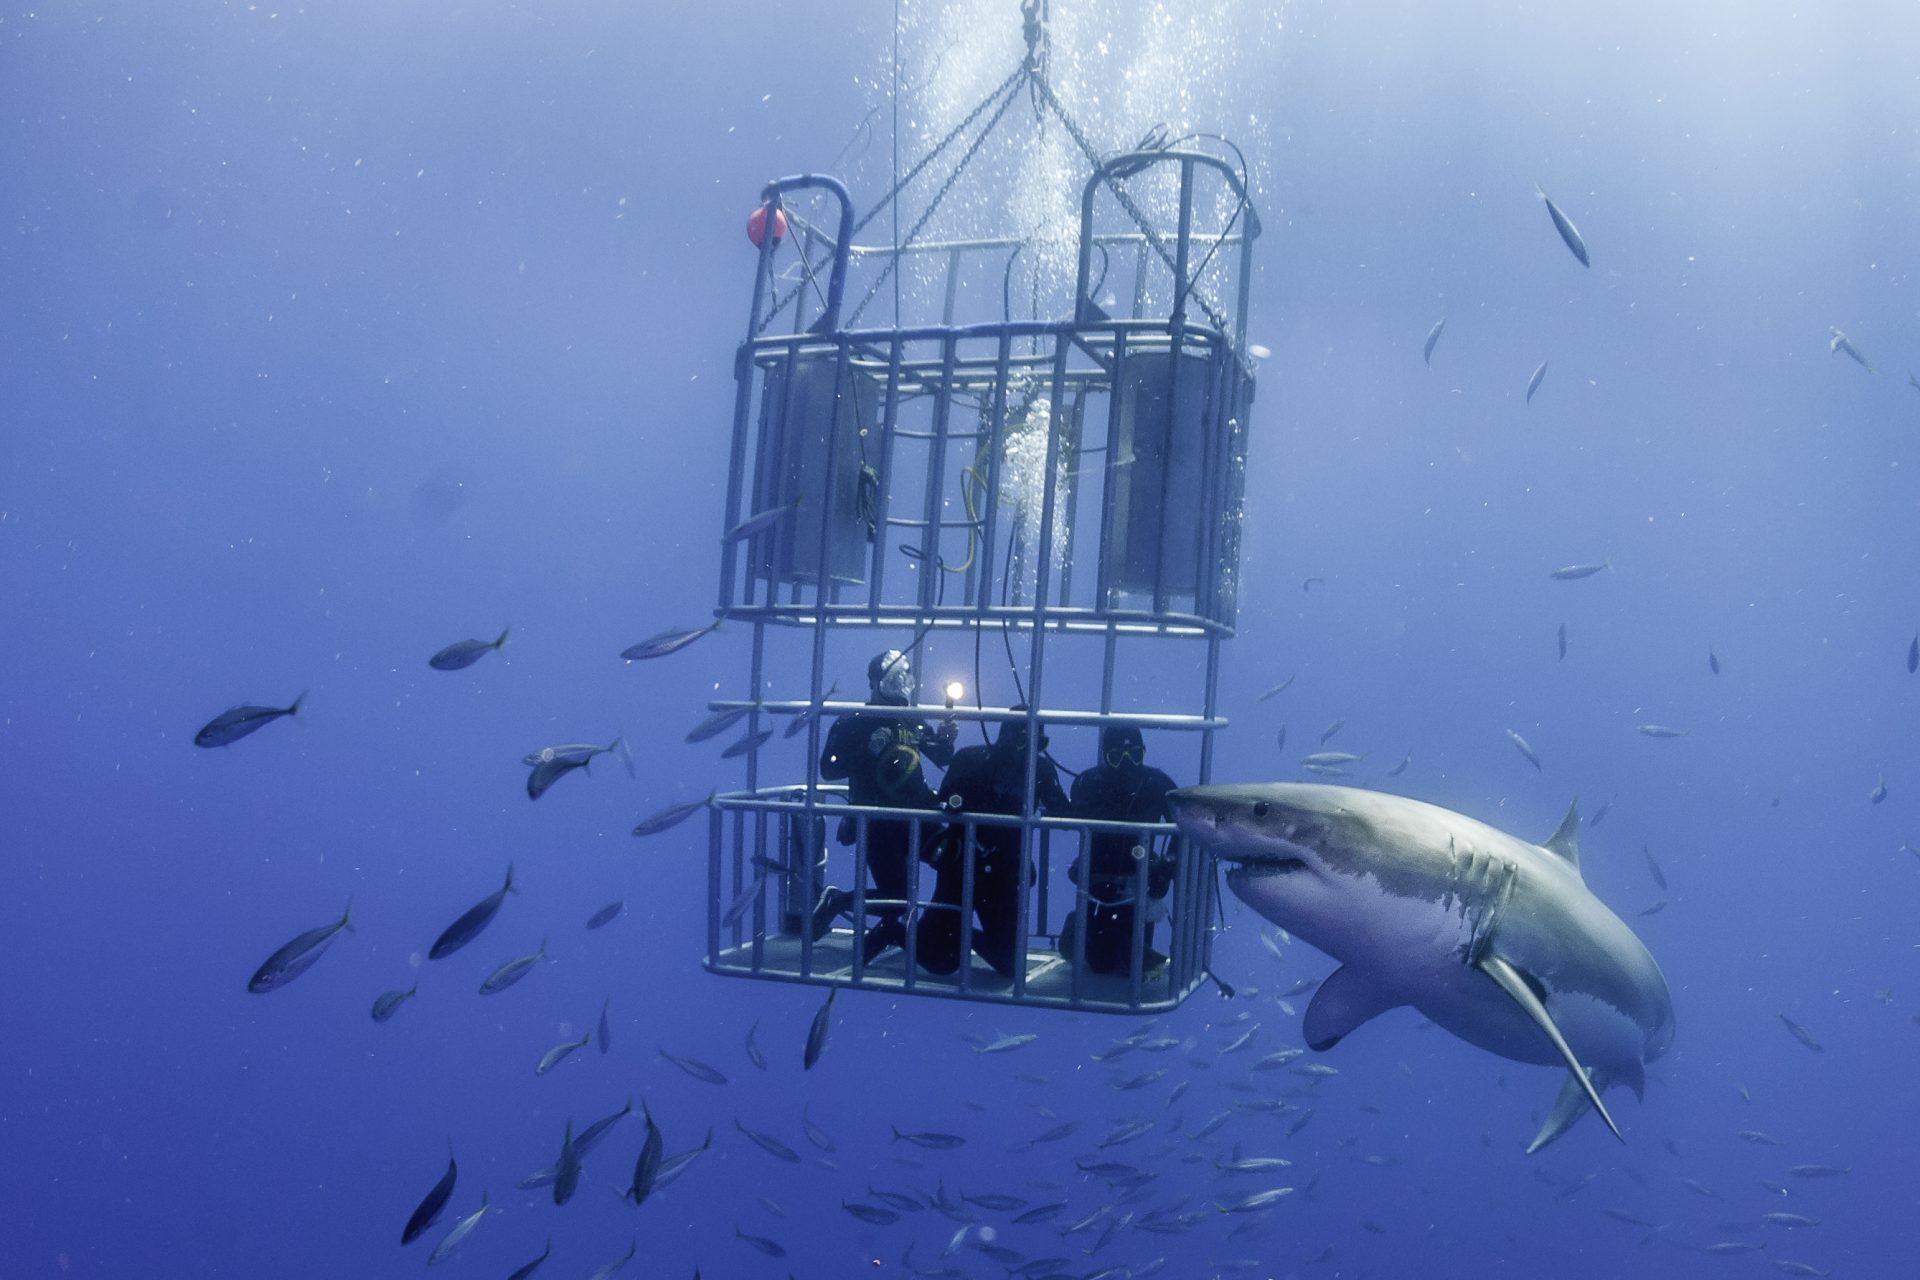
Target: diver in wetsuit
x: 986, y: 779
x: 1121, y: 788
x: 880, y: 757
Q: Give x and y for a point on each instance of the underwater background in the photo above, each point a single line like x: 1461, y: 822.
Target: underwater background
x: 336, y: 334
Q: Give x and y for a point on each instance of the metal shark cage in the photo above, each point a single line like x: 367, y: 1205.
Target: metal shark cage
x: 1067, y: 491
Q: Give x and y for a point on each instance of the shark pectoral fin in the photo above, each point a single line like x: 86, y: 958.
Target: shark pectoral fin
x: 1343, y: 1002
x: 1523, y: 995
x: 1567, y: 1108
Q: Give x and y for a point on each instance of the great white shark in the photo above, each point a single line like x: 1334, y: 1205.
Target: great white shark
x: 1495, y: 939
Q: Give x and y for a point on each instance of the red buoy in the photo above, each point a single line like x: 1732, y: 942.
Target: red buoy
x: 757, y: 226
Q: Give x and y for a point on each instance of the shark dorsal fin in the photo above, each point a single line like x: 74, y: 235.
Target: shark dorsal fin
x: 1515, y: 984
x: 1565, y: 839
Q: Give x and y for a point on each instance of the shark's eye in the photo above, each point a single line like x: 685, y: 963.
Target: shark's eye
x: 1261, y: 808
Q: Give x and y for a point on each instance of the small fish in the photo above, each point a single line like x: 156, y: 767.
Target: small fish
x: 604, y: 915
x: 1655, y: 909
x: 1533, y: 383
x: 1327, y: 733
x: 456, y: 657
x: 1127, y: 1133
x: 591, y: 1136
x: 1600, y: 814
x: 1724, y: 1248
x: 1700, y: 1188
x: 1879, y: 791
x: 1565, y: 227
x: 1713, y: 660
x: 1257, y: 1201
x: 1653, y: 868
x: 1006, y: 1043
x: 551, y: 764
x: 695, y: 1068
x: 872, y: 1213
x: 1433, y: 340
x: 1563, y: 641
x: 389, y: 1003
x: 1279, y: 689
x: 1913, y: 655
x: 1841, y: 344
x: 1803, y: 1035
x: 471, y: 921
x: 1055, y: 1134
x: 798, y: 725
x: 297, y: 956
x: 1253, y: 1164
x: 754, y: 1055
x: 815, y: 1134
x: 1913, y: 381
x: 1280, y: 739
x: 566, y: 1171
x: 236, y: 723
x: 896, y: 1200
x: 1820, y: 1170
x: 666, y: 642
x: 1334, y: 757
x: 717, y: 723
x: 462, y: 1229
x: 759, y: 522
x: 674, y: 1165
x: 817, y: 1033
x: 606, y: 1272
x: 1758, y: 1138
x: 1661, y: 731
x: 646, y: 1169
x: 1575, y: 572
x: 1310, y: 583
x: 1400, y: 768
x: 771, y: 1248
x: 428, y: 1211
x: 750, y: 742
x: 743, y: 902
x: 769, y: 1144
x: 1040, y: 1213
x: 1788, y: 1267
x: 603, y: 1034
x: 671, y: 816
x: 558, y: 1054
x: 511, y: 972
x: 931, y: 1141
x: 1520, y: 745
x: 523, y: 1272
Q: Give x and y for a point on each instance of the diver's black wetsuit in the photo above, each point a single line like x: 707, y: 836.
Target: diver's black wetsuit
x: 985, y: 779
x: 1127, y: 792
x: 880, y: 757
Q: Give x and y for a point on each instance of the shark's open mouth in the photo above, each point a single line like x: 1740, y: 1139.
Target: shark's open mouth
x: 1265, y: 864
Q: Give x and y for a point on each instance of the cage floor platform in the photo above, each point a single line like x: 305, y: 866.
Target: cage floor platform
x: 1050, y: 981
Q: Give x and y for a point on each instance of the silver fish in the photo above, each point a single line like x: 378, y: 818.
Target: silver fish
x: 558, y: 1054
x: 471, y: 921
x: 695, y: 1068
x: 1533, y: 383
x: 666, y: 642
x: 1840, y: 344
x: 606, y: 1272
x: 717, y: 723
x: 1661, y: 731
x: 1563, y: 641
x: 428, y: 1211
x: 297, y: 956
x: 1433, y: 340
x: 522, y: 1273
x: 1521, y: 745
x: 1564, y: 225
x: 461, y: 1230
x: 751, y: 742
x: 389, y: 1003
x: 769, y: 1144
x: 604, y: 915
x: 566, y: 1172
x: 760, y: 521
x: 1575, y: 572
x: 1278, y: 689
x: 1803, y: 1035
x: 236, y: 723
x: 817, y: 1033
x: 671, y: 816
x: 646, y: 1169
x: 464, y: 653
x: 512, y: 971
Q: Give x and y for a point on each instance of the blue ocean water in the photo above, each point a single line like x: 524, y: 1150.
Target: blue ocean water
x: 334, y: 335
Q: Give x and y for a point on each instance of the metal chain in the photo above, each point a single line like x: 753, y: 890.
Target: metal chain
x: 946, y: 187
